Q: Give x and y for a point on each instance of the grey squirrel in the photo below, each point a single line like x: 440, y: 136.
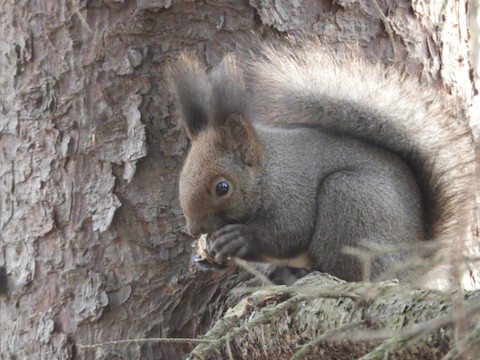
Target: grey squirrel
x: 296, y: 155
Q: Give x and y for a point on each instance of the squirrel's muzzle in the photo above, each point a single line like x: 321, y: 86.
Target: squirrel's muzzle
x: 205, y: 225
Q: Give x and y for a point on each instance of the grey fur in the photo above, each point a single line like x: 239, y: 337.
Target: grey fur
x: 350, y: 152
x: 190, y: 85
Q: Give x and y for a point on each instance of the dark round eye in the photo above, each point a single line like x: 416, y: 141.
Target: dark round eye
x: 222, y: 188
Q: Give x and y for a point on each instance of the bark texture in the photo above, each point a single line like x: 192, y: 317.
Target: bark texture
x: 321, y: 317
x: 92, y: 246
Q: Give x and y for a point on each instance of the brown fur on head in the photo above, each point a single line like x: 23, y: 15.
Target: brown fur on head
x: 221, y: 156
x: 224, y: 145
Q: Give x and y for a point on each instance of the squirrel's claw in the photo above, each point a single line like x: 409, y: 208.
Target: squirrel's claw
x: 232, y: 240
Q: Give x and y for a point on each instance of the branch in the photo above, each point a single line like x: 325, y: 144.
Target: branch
x: 323, y: 317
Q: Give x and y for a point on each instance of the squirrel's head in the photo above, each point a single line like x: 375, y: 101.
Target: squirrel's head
x: 218, y: 181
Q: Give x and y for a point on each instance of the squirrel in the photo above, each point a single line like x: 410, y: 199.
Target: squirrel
x: 297, y: 155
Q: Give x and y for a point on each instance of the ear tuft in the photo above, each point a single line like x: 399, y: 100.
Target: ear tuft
x: 206, y: 99
x: 191, y: 88
x: 228, y: 89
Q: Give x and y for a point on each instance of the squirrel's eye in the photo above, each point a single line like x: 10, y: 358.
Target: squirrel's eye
x: 222, y: 188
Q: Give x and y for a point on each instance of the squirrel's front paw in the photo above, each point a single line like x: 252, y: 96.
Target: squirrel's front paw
x: 232, y: 240
x: 202, y: 258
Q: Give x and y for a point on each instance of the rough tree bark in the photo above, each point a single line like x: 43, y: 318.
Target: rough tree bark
x: 321, y: 317
x: 92, y: 246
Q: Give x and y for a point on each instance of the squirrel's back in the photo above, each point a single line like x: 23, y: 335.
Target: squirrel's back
x: 305, y: 85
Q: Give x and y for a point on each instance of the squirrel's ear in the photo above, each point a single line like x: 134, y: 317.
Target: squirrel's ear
x: 244, y: 140
x: 191, y: 88
x: 228, y: 89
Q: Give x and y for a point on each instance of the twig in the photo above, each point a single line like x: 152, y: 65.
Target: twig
x: 386, y: 23
x: 332, y: 333
x: 406, y: 336
x: 144, y: 340
x: 471, y: 339
x: 249, y: 268
x: 322, y: 291
x: 265, y: 315
x: 229, y: 350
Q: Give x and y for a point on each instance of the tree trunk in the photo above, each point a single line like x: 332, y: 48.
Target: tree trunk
x: 92, y: 242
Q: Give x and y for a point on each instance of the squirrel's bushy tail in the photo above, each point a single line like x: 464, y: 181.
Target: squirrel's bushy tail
x: 306, y: 85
